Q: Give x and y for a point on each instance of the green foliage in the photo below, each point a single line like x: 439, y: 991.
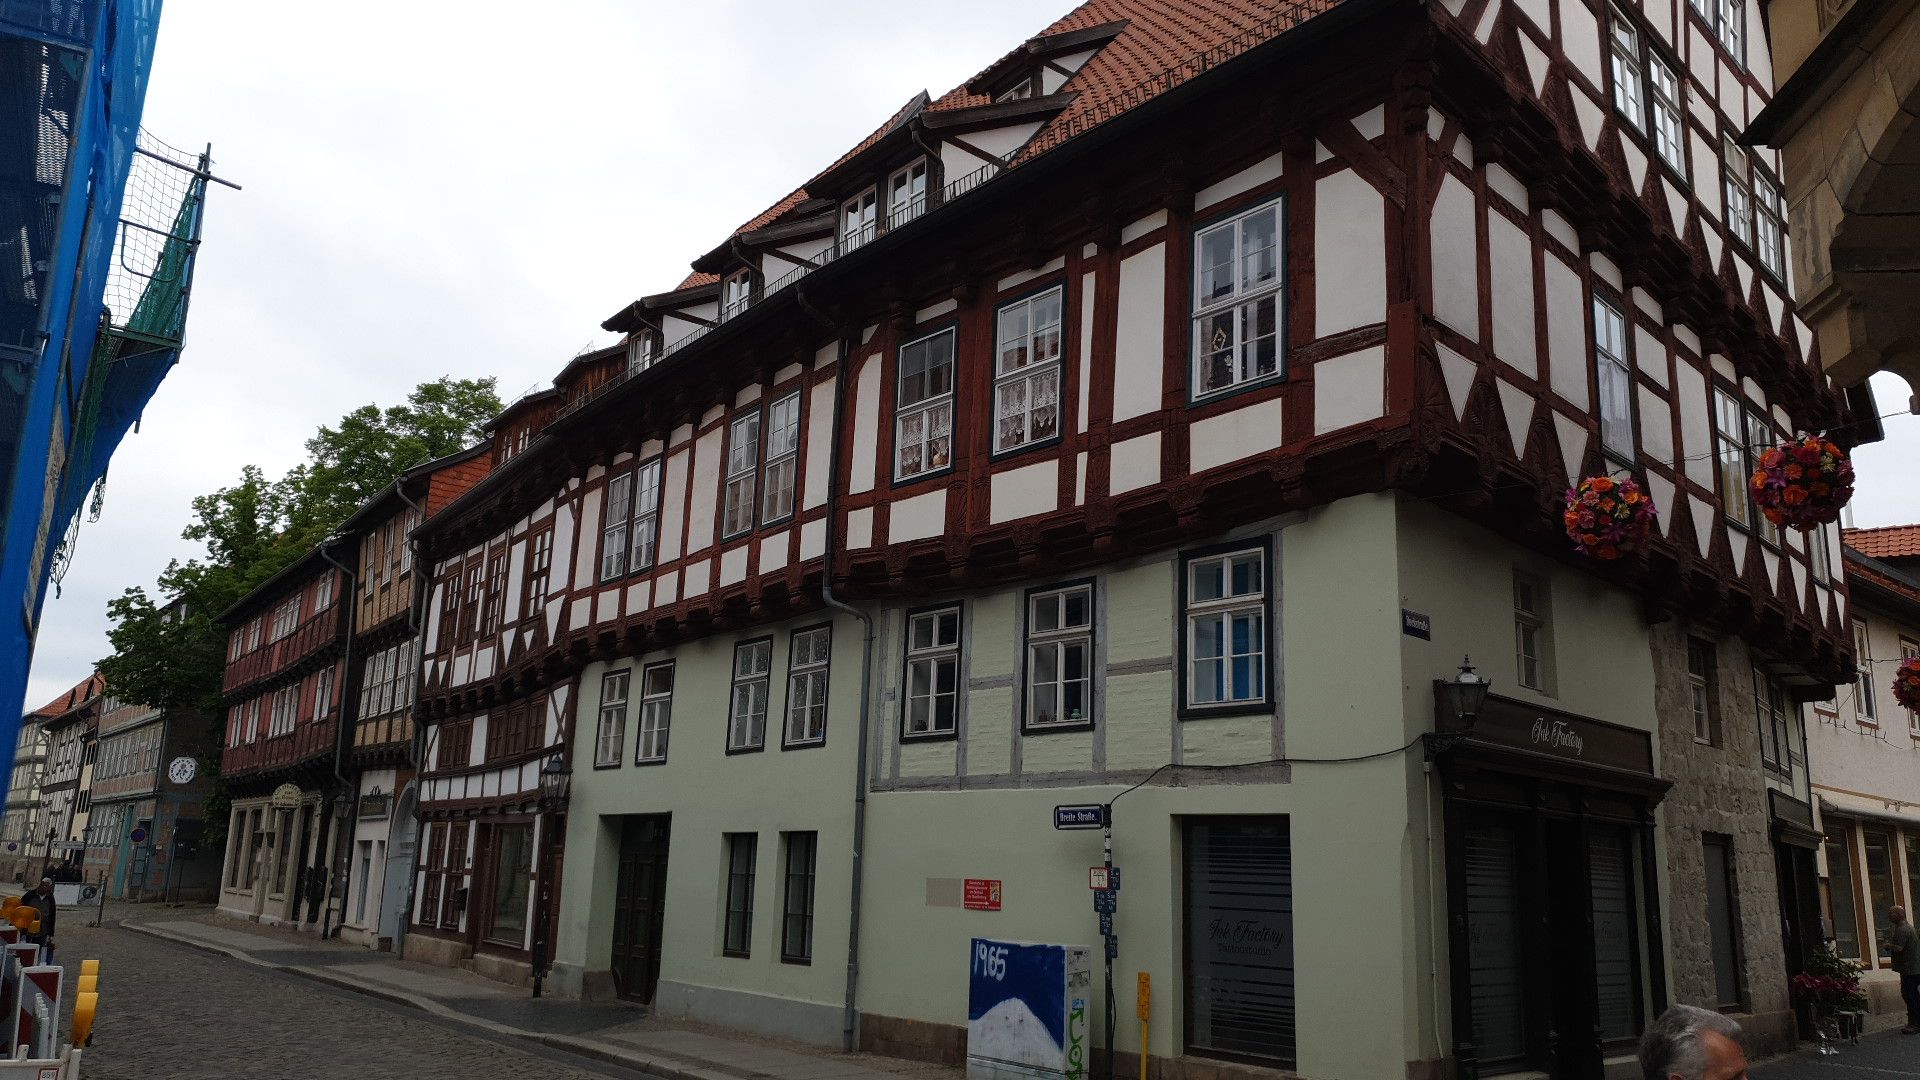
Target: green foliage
x: 1830, y: 982
x: 168, y: 649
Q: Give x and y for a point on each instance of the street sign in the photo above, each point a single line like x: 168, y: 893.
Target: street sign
x: 181, y: 769
x: 1113, y: 878
x: 1106, y: 923
x: 1106, y: 901
x: 139, y: 835
x: 1097, y: 878
x: 981, y: 894
x: 1080, y: 816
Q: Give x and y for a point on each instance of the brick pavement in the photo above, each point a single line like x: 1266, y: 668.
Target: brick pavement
x: 167, y: 1011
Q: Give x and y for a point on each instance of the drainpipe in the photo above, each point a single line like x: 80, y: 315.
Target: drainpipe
x: 849, y: 1013
x: 914, y: 132
x: 342, y: 742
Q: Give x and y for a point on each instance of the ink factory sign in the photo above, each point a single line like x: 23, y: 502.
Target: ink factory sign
x: 1552, y: 733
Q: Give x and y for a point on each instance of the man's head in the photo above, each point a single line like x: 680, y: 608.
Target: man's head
x: 46, y: 883
x: 1689, y: 1043
x: 1896, y: 914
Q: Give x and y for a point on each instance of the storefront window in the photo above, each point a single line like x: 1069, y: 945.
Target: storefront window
x: 515, y: 853
x: 1493, y: 941
x: 1840, y: 911
x: 1880, y: 887
x: 1240, y: 939
x: 1616, y: 951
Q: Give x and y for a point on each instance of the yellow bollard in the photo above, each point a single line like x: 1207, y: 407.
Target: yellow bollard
x: 89, y: 984
x: 84, y: 1006
x: 89, y: 967
x: 1143, y: 1003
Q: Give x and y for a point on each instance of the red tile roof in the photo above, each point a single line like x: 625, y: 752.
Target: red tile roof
x: 1886, y: 542
x: 78, y: 694
x: 695, y: 280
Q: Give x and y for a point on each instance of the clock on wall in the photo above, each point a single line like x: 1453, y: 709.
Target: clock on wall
x: 180, y: 770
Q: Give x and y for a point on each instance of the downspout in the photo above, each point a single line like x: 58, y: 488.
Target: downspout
x: 849, y: 1023
x: 342, y: 742
x: 934, y: 191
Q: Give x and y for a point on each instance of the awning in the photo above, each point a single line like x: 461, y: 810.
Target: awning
x: 1870, y: 808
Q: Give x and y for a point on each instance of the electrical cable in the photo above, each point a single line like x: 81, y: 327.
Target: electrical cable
x: 1353, y: 759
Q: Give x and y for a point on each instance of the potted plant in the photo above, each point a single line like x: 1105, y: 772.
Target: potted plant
x: 1803, y: 483
x: 1828, y: 987
x: 1906, y: 683
x: 1607, y: 518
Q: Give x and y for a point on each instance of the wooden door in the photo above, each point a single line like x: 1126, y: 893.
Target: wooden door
x: 639, y: 911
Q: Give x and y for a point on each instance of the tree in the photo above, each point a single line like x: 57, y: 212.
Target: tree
x: 169, y: 650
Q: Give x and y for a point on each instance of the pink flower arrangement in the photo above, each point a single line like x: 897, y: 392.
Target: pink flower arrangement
x: 1803, y: 483
x: 1606, y: 518
x: 1906, y: 683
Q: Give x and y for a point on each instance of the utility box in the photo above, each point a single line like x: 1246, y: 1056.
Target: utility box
x: 1028, y: 1011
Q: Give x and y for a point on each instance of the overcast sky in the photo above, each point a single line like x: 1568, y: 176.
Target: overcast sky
x: 434, y: 189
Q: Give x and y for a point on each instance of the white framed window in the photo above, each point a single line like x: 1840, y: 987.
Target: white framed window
x: 1760, y: 439
x: 656, y: 713
x: 747, y: 717
x: 1771, y: 711
x: 285, y: 618
x: 1026, y: 381
x: 743, y: 463
x: 1819, y: 554
x: 857, y: 220
x: 907, y: 194
x: 1703, y: 685
x: 613, y: 533
x: 1530, y: 631
x: 923, y: 439
x: 253, y: 720
x: 1738, y: 185
x: 736, y: 292
x: 1613, y: 377
x: 1019, y: 91
x: 495, y: 608
x: 610, y: 739
x: 539, y: 570
x: 643, y: 348
x: 322, y: 693
x: 783, y: 458
x: 645, y: 533
x: 1863, y: 688
x: 1225, y: 653
x: 1769, y: 231
x: 323, y: 593
x: 1237, y: 298
x: 1730, y: 26
x: 1669, y: 114
x: 1060, y: 657
x: 1628, y: 88
x: 1729, y: 427
x: 933, y: 673
x: 808, y: 652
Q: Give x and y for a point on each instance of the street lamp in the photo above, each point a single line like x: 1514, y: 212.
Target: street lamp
x: 556, y: 784
x: 1465, y: 692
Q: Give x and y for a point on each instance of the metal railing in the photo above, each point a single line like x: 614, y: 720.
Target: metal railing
x: 1065, y: 130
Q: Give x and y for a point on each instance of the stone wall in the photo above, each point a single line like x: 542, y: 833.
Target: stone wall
x: 1719, y: 789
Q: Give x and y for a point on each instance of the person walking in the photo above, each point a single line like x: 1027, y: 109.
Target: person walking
x: 1903, y: 945
x: 41, y: 900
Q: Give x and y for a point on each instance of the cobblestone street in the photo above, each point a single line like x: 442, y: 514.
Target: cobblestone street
x: 169, y: 1011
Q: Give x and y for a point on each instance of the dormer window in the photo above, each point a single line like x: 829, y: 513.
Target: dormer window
x: 907, y: 194
x: 736, y: 292
x: 857, y: 220
x: 643, y: 348
x: 1019, y: 91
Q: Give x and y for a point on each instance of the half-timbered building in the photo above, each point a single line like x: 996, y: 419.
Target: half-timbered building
x: 282, y: 760
x: 1152, y: 421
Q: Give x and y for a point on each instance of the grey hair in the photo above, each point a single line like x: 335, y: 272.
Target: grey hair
x: 1671, y: 1045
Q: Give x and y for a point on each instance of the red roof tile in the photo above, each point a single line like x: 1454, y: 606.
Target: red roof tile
x: 695, y: 280
x: 77, y: 694
x: 1886, y: 542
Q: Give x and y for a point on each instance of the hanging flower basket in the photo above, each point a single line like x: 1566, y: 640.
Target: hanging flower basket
x: 1606, y: 518
x: 1906, y: 683
x: 1803, y: 483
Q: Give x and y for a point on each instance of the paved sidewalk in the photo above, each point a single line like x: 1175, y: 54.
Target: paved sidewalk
x: 1879, y: 1056
x: 619, y: 1033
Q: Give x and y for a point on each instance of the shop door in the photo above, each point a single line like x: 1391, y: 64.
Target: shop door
x: 1239, y: 913
x: 639, y: 912
x: 1496, y: 977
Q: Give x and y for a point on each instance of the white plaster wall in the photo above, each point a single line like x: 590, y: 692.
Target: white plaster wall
x: 1349, y: 389
x: 1232, y: 436
x: 673, y: 506
x: 706, y: 490
x: 1696, y: 422
x: 1024, y: 492
x: 1350, y: 254
x: 1260, y: 172
x: 1567, y: 357
x: 1134, y: 463
x: 1455, y: 252
x: 819, y: 443
x: 866, y: 426
x: 1511, y: 255
x: 1140, y: 345
x: 918, y: 518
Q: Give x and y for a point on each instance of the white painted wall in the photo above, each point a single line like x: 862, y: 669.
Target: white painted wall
x: 1350, y: 254
x: 1139, y: 347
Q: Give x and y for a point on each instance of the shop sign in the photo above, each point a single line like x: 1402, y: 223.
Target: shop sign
x: 1556, y: 734
x: 1416, y: 624
x: 287, y: 797
x: 375, y: 804
x: 980, y: 894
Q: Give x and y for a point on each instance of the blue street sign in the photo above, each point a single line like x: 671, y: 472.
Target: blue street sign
x: 139, y: 835
x: 1080, y: 816
x: 1106, y: 924
x: 1113, y: 947
x: 1106, y: 901
x: 1113, y: 878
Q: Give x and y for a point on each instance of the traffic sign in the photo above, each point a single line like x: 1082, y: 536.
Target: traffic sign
x: 1106, y: 923
x: 1097, y: 878
x: 139, y: 835
x: 1113, y: 878
x: 1106, y: 900
x: 1080, y: 816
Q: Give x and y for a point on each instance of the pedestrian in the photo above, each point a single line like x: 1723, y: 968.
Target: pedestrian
x: 1903, y: 945
x: 1690, y: 1043
x: 41, y: 900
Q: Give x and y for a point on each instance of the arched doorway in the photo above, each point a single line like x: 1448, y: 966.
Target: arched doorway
x: 399, y: 869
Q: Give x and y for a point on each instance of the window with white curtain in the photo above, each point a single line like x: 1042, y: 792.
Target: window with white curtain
x: 1026, y: 383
